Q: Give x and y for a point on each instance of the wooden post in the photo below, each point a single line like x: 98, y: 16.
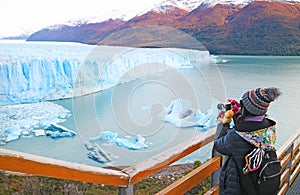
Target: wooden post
x: 126, y: 190
x: 289, y: 164
x: 216, y: 174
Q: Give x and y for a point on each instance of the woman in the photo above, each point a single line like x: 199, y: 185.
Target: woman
x: 252, y: 129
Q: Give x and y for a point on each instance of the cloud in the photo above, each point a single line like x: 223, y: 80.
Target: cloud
x: 19, y: 16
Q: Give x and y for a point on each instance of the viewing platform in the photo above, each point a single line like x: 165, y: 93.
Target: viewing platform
x: 295, y: 187
x: 126, y: 178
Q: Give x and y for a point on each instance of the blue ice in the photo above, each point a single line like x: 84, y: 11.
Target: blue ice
x: 127, y: 143
x: 32, y: 120
x: 132, y: 144
x: 36, y: 72
x: 58, y: 131
x: 181, y: 114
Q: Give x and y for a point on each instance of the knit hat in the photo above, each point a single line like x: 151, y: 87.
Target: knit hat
x: 258, y: 100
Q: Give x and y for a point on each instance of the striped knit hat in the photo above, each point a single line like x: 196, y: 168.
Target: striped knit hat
x: 258, y: 100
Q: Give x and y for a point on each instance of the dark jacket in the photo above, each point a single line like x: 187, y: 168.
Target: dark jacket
x: 231, y: 144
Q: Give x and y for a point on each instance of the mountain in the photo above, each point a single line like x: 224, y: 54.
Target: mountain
x: 264, y: 27
x: 187, y: 5
x: 19, y: 37
x: 89, y: 33
x: 224, y: 27
x: 165, y: 16
x: 260, y: 28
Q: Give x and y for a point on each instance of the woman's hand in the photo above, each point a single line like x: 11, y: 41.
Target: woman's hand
x: 226, y: 117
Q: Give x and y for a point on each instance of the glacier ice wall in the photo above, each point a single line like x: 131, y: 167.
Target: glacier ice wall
x: 31, y: 72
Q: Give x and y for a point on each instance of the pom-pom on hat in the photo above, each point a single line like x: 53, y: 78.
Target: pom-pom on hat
x: 258, y: 100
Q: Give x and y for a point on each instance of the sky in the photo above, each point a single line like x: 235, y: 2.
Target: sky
x: 28, y: 16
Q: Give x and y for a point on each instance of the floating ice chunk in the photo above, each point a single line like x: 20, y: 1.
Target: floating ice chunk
x: 108, y: 136
x: 105, y: 136
x: 13, y: 133
x: 58, y: 131
x: 46, y: 122
x: 58, y: 134
x: 39, y: 132
x: 24, y: 120
x: 206, y: 119
x: 180, y: 113
x: 137, y: 144
x: 94, y: 155
x: 177, y: 107
x: 95, y: 152
x: 56, y: 127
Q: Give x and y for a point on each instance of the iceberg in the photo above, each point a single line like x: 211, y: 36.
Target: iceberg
x: 39, y: 132
x: 136, y: 144
x: 105, y: 136
x: 11, y: 133
x: 59, y: 134
x: 127, y: 143
x: 36, y: 119
x: 33, y: 72
x: 180, y: 113
x: 58, y: 131
x: 95, y: 152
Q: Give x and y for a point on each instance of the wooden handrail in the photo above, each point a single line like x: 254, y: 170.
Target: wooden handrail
x: 296, y: 149
x: 281, y: 151
x: 290, y: 162
x: 32, y: 164
x: 183, y: 185
x: 286, y: 160
x: 193, y: 178
x: 156, y: 163
x: 284, y: 175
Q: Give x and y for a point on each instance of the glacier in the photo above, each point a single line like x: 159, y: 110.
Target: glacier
x: 39, y: 71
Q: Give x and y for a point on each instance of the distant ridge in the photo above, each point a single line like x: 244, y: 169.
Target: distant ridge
x: 152, y: 36
x: 255, y: 28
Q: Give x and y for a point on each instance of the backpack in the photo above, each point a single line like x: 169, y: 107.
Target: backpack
x: 263, y: 179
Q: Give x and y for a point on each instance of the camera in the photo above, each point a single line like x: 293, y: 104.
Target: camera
x: 224, y: 107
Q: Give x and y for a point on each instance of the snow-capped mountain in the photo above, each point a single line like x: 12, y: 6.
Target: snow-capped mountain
x: 117, y: 15
x: 222, y: 26
x: 187, y: 5
x: 190, y: 5
x: 211, y: 3
x: 164, y: 7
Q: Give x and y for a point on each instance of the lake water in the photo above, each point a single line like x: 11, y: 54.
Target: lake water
x: 132, y: 108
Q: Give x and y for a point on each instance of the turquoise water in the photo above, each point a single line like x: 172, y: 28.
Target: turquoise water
x: 133, y: 108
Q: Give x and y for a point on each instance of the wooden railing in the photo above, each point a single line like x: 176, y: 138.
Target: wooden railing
x: 289, y: 154
x: 126, y: 178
